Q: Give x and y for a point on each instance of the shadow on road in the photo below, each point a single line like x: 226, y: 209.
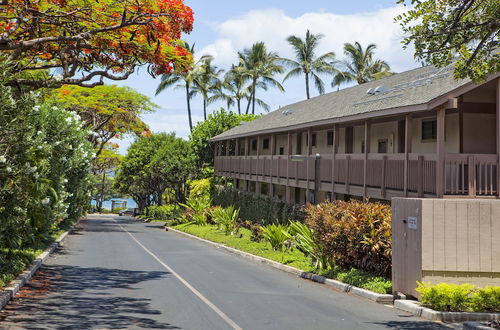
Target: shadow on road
x: 67, y: 297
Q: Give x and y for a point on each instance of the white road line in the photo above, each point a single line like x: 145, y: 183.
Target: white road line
x: 186, y: 283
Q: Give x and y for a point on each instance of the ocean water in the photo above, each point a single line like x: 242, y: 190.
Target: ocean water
x: 107, y: 204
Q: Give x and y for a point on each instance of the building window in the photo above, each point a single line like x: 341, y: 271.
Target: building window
x: 328, y: 197
x: 314, y: 140
x: 265, y: 144
x: 329, y: 138
x: 254, y: 145
x: 382, y: 146
x: 429, y: 130
x: 282, y: 150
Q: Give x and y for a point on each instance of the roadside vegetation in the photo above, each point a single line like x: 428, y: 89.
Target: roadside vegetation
x: 460, y: 297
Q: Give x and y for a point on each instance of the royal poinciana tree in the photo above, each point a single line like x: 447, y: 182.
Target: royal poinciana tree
x: 109, y: 111
x: 463, y: 32
x: 81, y: 42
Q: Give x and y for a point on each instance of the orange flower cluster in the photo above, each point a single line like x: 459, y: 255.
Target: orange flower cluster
x: 151, y: 33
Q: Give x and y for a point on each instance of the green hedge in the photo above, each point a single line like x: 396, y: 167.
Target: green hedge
x: 258, y: 208
x: 460, y: 297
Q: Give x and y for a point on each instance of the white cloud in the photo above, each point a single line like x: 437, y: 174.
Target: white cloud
x: 273, y: 26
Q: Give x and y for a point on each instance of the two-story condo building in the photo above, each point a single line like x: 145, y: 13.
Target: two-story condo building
x: 420, y: 133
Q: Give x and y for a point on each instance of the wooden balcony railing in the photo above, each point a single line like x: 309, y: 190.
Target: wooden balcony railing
x: 387, y: 175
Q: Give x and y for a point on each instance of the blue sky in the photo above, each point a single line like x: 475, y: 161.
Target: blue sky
x: 224, y: 27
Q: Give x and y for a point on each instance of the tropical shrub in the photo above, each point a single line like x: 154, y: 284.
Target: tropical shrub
x: 226, y: 219
x: 164, y: 212
x: 196, y: 210
x: 459, y: 297
x: 446, y: 297
x: 201, y: 188
x: 256, y: 230
x: 353, y: 234
x: 303, y: 240
x: 277, y: 235
x: 44, y: 169
x: 487, y: 300
x: 258, y: 208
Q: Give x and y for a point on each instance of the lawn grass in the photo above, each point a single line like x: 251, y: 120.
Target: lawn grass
x: 294, y: 258
x: 19, y: 260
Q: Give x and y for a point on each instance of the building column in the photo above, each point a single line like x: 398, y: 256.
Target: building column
x: 366, y: 152
x: 246, y: 167
x: 440, y: 151
x: 258, y: 158
x: 288, y: 168
x: 309, y: 167
x: 408, y: 142
x: 271, y: 174
x: 335, y: 148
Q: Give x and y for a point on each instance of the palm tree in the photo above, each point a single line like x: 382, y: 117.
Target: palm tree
x: 233, y: 89
x: 307, y: 63
x: 184, y: 80
x: 206, y: 80
x: 360, y: 65
x: 260, y: 66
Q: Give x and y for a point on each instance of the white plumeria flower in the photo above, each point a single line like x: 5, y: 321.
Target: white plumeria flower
x: 8, y: 169
x: 3, y: 159
x: 45, y: 201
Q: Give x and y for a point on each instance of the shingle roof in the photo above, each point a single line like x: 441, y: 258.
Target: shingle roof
x: 414, y: 87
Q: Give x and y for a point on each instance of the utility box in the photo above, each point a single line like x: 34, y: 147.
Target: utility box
x: 445, y: 240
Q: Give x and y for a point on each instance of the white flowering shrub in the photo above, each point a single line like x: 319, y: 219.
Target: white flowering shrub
x: 44, y: 168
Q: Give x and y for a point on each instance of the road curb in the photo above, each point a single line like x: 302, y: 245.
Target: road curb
x: 373, y: 296
x: 7, y: 293
x: 416, y: 309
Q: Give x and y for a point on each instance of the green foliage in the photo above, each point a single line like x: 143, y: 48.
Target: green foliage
x: 277, y: 235
x: 307, y: 63
x: 197, y: 210
x: 486, y: 300
x: 303, y: 238
x: 459, y: 297
x: 226, y: 219
x: 44, y: 168
x: 461, y: 32
x: 258, y: 208
x: 360, y: 66
x: 354, y: 234
x: 163, y: 212
x: 255, y: 229
x: 216, y: 123
x: 446, y: 297
x: 154, y: 164
x: 359, y: 278
x: 110, y: 111
x: 200, y: 188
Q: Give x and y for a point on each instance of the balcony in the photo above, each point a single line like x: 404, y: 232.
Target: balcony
x: 381, y: 176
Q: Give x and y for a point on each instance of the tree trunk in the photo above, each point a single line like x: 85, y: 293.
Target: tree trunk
x: 252, y: 95
x: 307, y: 86
x: 101, y: 198
x: 189, y: 107
x: 205, y: 108
x: 253, y: 102
x: 239, y: 107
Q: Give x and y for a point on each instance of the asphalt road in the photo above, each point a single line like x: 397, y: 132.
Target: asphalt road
x: 118, y: 273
